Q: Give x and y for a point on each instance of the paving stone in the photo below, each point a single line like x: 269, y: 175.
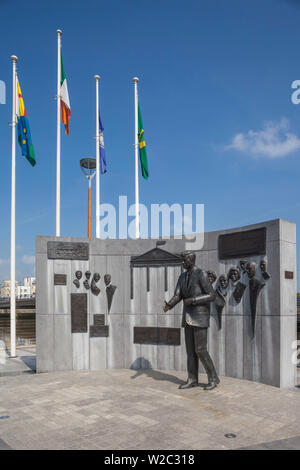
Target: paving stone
x: 120, y: 409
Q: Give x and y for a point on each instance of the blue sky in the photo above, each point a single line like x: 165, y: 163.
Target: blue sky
x: 215, y: 92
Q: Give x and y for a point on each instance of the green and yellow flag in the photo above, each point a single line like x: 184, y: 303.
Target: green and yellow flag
x: 142, y: 146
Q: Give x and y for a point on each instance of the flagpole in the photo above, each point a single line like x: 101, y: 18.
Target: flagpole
x: 58, y: 134
x: 97, y: 79
x: 136, y: 159
x: 13, y: 218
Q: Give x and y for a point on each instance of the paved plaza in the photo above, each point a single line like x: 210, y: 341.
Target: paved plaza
x: 127, y: 409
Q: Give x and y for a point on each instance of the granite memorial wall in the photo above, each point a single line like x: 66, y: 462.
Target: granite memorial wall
x: 99, y: 302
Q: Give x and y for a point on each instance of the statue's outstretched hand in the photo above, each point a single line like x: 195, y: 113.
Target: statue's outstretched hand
x: 165, y: 307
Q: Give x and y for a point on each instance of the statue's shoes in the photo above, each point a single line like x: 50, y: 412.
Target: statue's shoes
x: 211, y: 385
x: 188, y: 385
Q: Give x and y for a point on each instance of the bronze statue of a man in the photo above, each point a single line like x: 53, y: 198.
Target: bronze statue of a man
x: 196, y: 291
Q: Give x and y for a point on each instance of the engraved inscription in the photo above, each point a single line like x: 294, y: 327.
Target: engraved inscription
x: 169, y: 336
x: 97, y: 331
x: 99, y: 319
x: 79, y: 313
x: 68, y: 250
x: 239, y: 244
x: 60, y: 279
x: 288, y: 274
x: 154, y: 335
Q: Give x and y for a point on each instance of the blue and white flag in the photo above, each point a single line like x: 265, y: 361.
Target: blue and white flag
x: 101, y: 145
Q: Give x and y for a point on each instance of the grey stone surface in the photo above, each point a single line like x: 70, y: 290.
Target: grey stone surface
x: 216, y: 340
x: 98, y: 353
x: 270, y: 368
x: 292, y: 443
x: 132, y: 352
x: 128, y: 409
x: 44, y: 285
x: 61, y: 293
x: 4, y: 446
x: 288, y: 334
x: 115, y: 343
x: 166, y: 354
x: 288, y: 286
x: 234, y: 346
x: 23, y: 363
x: 148, y: 351
x: 80, y: 348
x: 62, y: 342
x: 252, y: 353
x: 45, y: 343
x: 287, y: 231
x: 265, y: 357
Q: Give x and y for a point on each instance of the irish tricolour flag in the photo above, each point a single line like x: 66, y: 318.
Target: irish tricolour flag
x: 65, y: 108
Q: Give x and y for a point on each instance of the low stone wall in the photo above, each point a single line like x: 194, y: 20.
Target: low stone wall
x: 83, y: 324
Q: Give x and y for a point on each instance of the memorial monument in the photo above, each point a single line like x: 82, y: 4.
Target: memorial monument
x: 99, y: 303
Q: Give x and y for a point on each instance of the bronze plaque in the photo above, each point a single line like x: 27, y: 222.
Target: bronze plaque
x: 240, y: 244
x: 68, y: 250
x: 99, y: 319
x: 288, y: 274
x: 60, y: 279
x: 154, y: 335
x: 98, y: 331
x: 79, y: 313
x: 169, y: 336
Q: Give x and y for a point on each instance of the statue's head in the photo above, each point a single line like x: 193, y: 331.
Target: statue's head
x: 223, y: 281
x: 189, y: 259
x: 243, y: 264
x: 78, y: 274
x: 88, y: 274
x: 212, y: 276
x: 263, y: 266
x: 107, y: 279
x: 234, y: 274
x: 251, y: 269
x: 96, y: 277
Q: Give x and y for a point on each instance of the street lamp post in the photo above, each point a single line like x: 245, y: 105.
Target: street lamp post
x: 88, y: 167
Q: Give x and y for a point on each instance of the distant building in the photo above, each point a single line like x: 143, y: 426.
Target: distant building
x: 5, y: 289
x: 25, y: 291
x: 30, y: 282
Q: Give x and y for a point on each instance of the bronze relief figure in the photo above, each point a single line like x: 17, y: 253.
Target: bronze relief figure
x: 263, y: 269
x: 239, y: 287
x: 110, y: 290
x: 76, y: 281
x: 221, y: 293
x: 255, y: 286
x: 94, y: 288
x: 86, y: 281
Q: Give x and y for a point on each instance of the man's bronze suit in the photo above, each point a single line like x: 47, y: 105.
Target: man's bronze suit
x: 194, y: 288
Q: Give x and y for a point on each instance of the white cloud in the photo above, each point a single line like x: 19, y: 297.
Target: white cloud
x: 28, y: 259
x: 273, y: 141
x: 4, y: 261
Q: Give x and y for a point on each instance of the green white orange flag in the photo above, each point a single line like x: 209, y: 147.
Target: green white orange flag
x: 65, y: 108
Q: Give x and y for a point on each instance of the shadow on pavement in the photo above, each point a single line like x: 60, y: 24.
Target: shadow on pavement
x: 29, y: 361
x: 156, y: 375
